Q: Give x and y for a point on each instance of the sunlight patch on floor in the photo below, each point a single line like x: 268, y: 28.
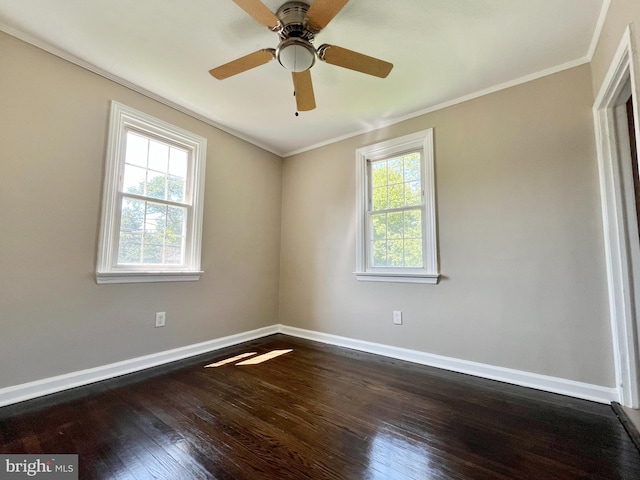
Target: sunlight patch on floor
x: 230, y: 360
x: 252, y: 361
x: 264, y: 357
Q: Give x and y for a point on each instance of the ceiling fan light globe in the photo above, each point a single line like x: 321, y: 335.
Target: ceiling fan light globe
x: 296, y: 55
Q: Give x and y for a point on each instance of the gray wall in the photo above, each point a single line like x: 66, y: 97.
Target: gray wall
x: 521, y: 242
x: 54, y: 319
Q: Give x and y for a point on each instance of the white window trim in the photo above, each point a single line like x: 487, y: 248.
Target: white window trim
x: 429, y: 274
x: 107, y: 270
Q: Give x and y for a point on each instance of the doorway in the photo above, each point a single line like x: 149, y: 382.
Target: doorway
x: 616, y: 116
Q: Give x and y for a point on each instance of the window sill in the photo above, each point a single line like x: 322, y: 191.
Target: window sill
x: 431, y: 278
x: 147, y: 277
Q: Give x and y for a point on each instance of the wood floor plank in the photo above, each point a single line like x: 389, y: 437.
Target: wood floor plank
x: 319, y: 412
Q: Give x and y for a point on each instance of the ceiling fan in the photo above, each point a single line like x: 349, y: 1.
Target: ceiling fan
x: 297, y: 23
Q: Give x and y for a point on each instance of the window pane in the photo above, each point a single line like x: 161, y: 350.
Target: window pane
x: 155, y: 219
x: 380, y: 198
x: 395, y: 170
x: 158, y: 156
x: 134, y: 178
x: 380, y: 253
x: 395, y: 253
x: 130, y: 248
x: 396, y: 196
x: 379, y: 172
x: 172, y: 255
x: 413, y: 224
x: 397, y: 239
x: 151, y: 233
x: 175, y: 188
x: 137, y: 149
x: 395, y: 225
x: 413, y: 253
x: 175, y: 220
x: 178, y: 159
x: 412, y: 167
x: 176, y: 217
x: 156, y: 185
x: 413, y: 194
x: 174, y: 240
x: 379, y: 226
x: 152, y: 249
x: 173, y: 250
x: 132, y: 215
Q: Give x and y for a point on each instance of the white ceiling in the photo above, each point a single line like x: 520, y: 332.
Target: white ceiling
x: 442, y: 50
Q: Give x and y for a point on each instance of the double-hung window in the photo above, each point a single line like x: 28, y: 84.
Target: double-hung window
x: 152, y: 204
x: 396, y: 227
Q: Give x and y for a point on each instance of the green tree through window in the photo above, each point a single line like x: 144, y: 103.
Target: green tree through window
x: 396, y: 211
x: 152, y: 232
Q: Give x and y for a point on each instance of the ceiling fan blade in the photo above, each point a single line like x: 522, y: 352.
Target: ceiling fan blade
x: 305, y: 100
x: 259, y: 11
x: 354, y: 61
x: 243, y: 64
x: 321, y: 12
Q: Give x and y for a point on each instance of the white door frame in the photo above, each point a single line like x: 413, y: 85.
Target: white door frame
x: 622, y: 249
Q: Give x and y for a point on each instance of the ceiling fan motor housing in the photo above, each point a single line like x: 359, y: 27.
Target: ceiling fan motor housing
x: 293, y: 21
x: 295, y: 51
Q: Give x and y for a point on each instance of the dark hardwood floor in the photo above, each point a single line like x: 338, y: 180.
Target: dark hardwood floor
x: 319, y: 412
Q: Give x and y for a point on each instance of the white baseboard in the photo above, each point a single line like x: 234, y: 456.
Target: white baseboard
x: 26, y: 391
x: 546, y: 383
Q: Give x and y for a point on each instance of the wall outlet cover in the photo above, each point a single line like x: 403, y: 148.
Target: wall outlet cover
x: 161, y: 319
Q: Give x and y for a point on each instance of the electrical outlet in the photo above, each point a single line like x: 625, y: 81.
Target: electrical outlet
x: 397, y: 317
x: 161, y: 319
